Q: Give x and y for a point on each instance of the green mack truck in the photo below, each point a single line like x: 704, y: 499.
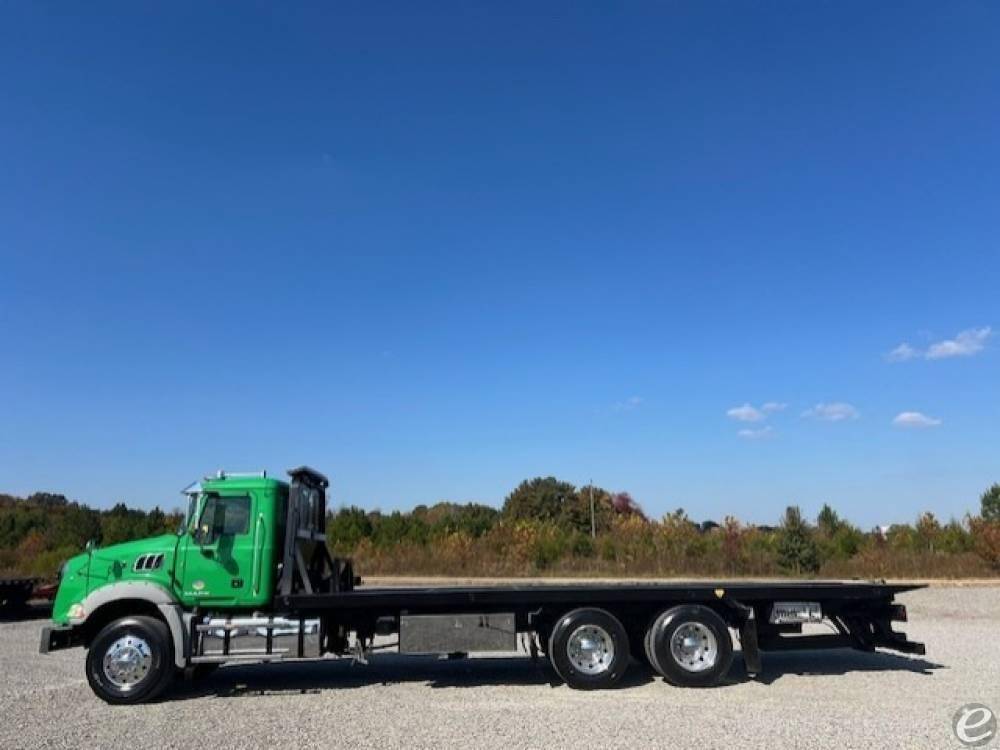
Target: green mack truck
x: 249, y: 578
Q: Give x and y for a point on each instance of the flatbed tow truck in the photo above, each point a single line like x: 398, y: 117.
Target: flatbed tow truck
x: 249, y: 578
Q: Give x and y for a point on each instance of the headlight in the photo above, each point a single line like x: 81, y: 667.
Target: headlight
x: 76, y: 612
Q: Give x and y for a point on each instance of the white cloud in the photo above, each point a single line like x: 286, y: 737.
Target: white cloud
x: 750, y: 413
x: 745, y: 413
x: 630, y: 404
x: 965, y: 344
x: 749, y: 434
x: 902, y: 353
x: 838, y: 411
x: 915, y: 420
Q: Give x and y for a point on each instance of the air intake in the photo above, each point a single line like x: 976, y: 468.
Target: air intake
x: 145, y: 563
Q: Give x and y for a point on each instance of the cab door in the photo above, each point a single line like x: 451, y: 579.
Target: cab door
x: 220, y: 552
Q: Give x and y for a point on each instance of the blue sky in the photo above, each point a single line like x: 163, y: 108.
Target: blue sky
x: 434, y: 249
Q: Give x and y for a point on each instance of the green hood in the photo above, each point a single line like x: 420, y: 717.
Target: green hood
x: 117, y: 561
x: 149, y: 560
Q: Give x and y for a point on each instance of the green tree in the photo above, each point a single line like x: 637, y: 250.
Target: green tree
x: 797, y: 550
x: 955, y: 538
x: 476, y: 519
x: 73, y: 527
x: 732, y: 544
x: 928, y: 532
x: 828, y: 523
x: 986, y: 540
x: 122, y: 524
x: 575, y: 513
x: 847, y: 542
x: 47, y: 500
x: 347, y: 527
x: 538, y: 499
x: 990, y: 502
x: 548, y: 545
x: 446, y: 518
x: 398, y: 527
x: 902, y: 537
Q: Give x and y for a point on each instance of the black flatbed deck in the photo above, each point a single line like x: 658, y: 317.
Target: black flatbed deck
x: 458, y: 598
x: 860, y: 610
x: 316, y: 585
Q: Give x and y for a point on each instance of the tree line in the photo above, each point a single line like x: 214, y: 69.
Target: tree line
x: 546, y: 526
x: 39, y: 532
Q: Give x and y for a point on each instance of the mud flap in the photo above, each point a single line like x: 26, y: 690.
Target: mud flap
x: 748, y: 642
x: 748, y: 634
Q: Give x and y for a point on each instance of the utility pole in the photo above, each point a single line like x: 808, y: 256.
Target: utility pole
x: 593, y: 522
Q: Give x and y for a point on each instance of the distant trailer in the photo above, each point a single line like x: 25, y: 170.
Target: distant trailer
x: 15, y: 592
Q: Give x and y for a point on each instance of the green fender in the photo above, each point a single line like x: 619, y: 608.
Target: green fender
x: 169, y: 608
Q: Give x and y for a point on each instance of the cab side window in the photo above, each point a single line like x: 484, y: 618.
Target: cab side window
x: 224, y: 516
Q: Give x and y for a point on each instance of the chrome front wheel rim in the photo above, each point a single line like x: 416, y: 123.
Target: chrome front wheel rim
x: 694, y: 647
x: 591, y: 649
x: 127, y: 662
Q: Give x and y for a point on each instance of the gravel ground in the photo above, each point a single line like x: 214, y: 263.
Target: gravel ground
x: 841, y: 699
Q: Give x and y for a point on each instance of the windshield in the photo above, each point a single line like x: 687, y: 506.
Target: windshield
x: 189, y: 515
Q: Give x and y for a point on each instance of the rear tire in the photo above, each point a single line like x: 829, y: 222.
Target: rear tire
x: 588, y: 649
x: 690, y: 646
x: 131, y: 660
x: 648, y: 647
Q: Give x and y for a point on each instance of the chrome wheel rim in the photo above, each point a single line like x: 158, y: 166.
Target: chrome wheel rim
x: 127, y: 662
x: 694, y: 647
x: 590, y: 649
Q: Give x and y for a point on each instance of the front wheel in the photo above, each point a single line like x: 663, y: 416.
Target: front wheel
x: 131, y: 660
x: 588, y: 649
x: 690, y: 646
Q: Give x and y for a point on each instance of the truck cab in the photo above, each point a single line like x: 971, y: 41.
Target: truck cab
x: 227, y: 559
x: 223, y: 556
x: 227, y: 555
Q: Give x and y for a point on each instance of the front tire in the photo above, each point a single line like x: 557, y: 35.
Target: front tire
x: 690, y: 646
x: 588, y: 649
x: 131, y: 660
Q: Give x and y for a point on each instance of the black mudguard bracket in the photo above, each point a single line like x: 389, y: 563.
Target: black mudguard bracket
x: 748, y: 635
